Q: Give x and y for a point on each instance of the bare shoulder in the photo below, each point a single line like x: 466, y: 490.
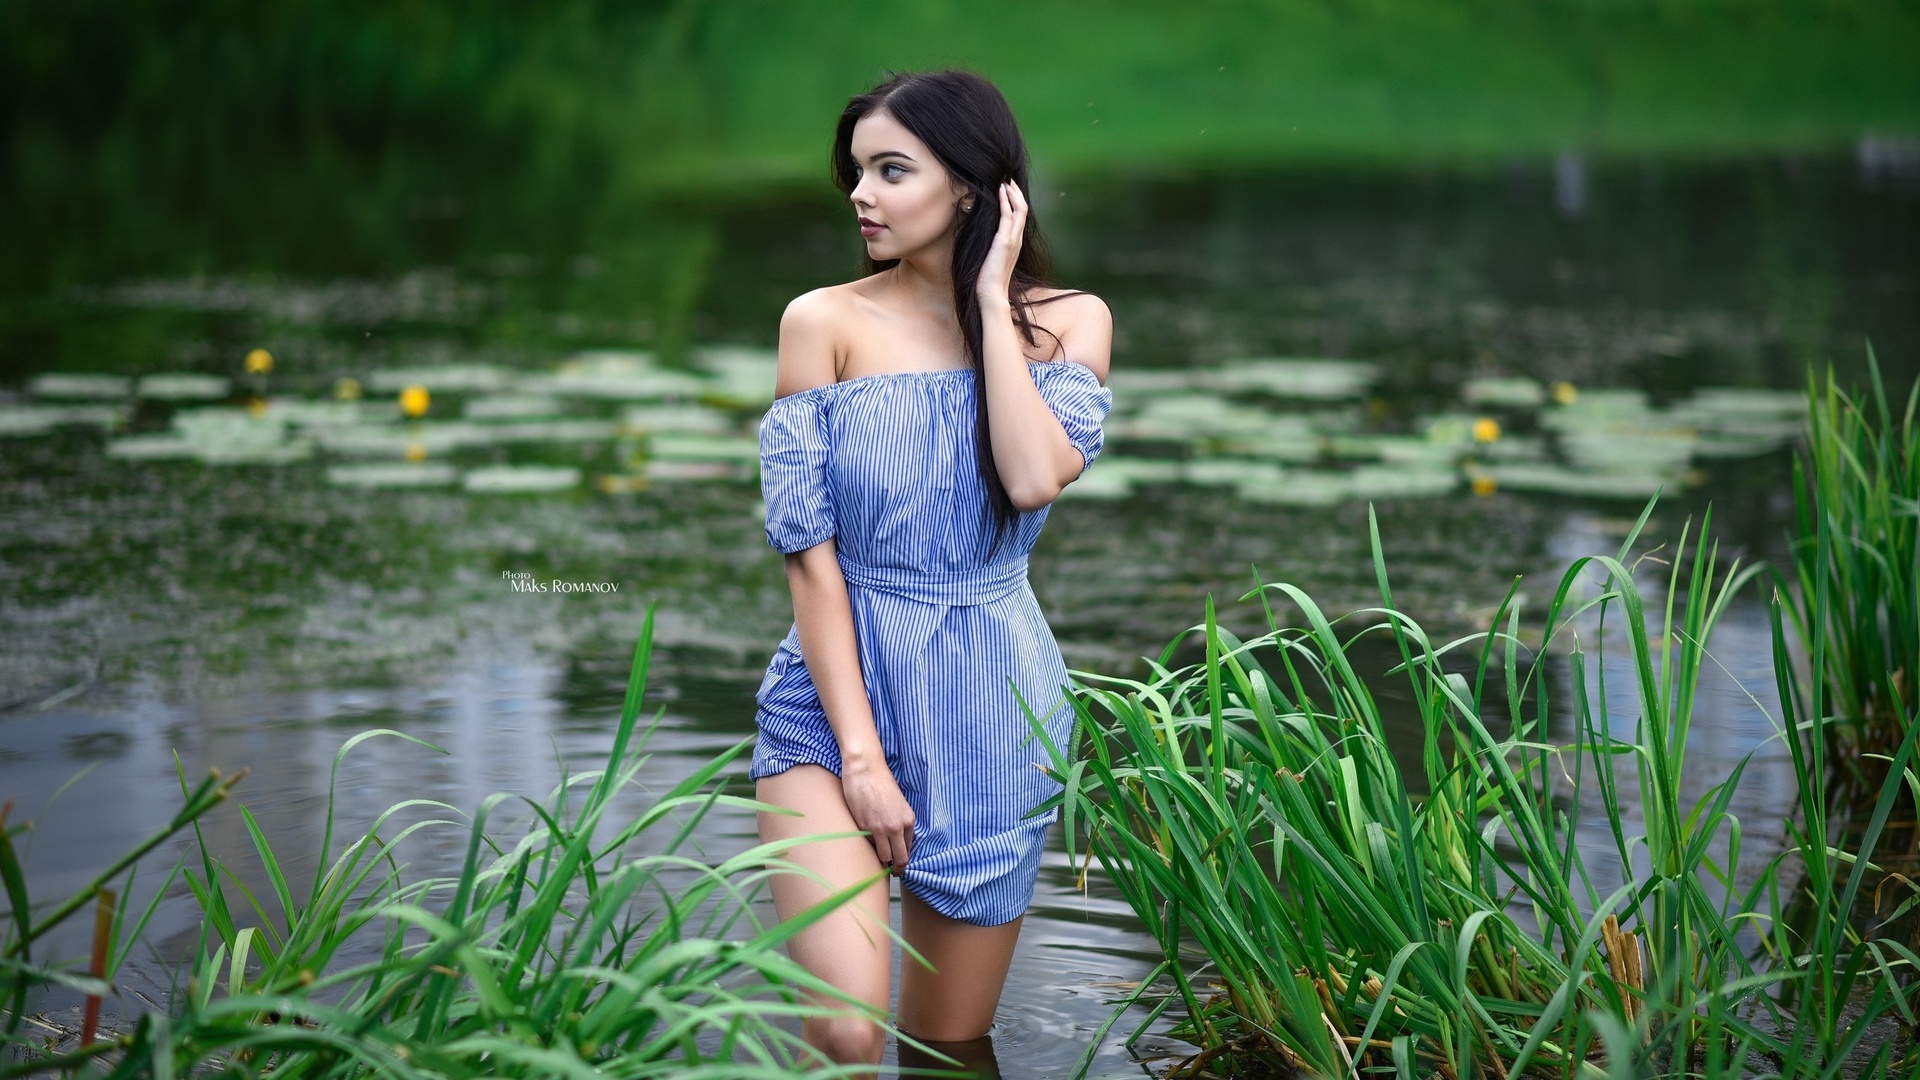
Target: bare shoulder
x: 810, y: 347
x: 1084, y: 323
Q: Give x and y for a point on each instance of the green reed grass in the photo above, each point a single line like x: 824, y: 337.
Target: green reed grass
x: 1315, y: 914
x: 583, y: 945
x: 1856, y: 562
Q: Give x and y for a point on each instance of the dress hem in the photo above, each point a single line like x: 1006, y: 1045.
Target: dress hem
x: 906, y: 885
x: 777, y: 766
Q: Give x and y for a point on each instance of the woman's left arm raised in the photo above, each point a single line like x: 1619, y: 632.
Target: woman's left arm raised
x: 1031, y: 450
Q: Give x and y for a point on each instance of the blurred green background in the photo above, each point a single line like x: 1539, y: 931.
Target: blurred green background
x: 368, y: 138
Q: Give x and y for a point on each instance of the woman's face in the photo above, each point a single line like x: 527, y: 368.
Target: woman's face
x: 902, y: 188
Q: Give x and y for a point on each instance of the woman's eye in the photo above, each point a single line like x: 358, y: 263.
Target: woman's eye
x: 884, y: 168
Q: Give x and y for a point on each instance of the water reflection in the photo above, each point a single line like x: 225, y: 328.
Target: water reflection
x: 502, y: 721
x: 975, y: 1058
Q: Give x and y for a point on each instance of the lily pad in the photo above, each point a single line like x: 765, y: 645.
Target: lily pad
x: 620, y: 376
x: 1512, y: 448
x: 1098, y: 484
x: 1746, y: 415
x: 1131, y: 383
x: 522, y: 478
x: 1257, y: 476
x: 1412, y: 450
x: 681, y: 471
x: 411, y: 475
x: 1286, y: 437
x: 151, y: 448
x: 19, y: 420
x: 741, y: 375
x: 1425, y: 453
x: 1298, y: 487
x: 1136, y: 470
x: 254, y: 454
x: 1721, y: 447
x: 1650, y: 451
x: 1185, y: 417
x: 635, y: 386
x: 689, y: 419
x: 1503, y: 393
x: 229, y: 436
x: 513, y: 407
x: 1318, y: 380
x: 55, y: 384
x: 1597, y: 408
x: 1226, y: 472
x: 1389, y: 482
x: 395, y: 440
x: 183, y: 387
x: 1747, y: 401
x: 672, y: 446
x: 1560, y: 480
x: 610, y: 360
x: 442, y: 378
x: 554, y: 431
x: 225, y: 425
x: 304, y: 413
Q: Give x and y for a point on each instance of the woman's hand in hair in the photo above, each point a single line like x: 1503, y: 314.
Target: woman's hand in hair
x: 996, y: 273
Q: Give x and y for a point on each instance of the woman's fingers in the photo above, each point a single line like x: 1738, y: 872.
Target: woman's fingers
x: 888, y: 821
x: 1008, y: 233
x: 890, y: 846
x: 897, y: 840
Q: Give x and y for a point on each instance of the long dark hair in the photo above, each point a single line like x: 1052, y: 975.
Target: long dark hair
x: 967, y: 123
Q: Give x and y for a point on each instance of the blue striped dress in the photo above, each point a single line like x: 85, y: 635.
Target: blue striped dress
x: 885, y: 465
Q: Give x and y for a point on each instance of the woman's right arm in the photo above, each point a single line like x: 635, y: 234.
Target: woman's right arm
x: 824, y: 615
x: 832, y: 655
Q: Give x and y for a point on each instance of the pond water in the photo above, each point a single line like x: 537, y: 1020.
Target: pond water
x: 245, y: 568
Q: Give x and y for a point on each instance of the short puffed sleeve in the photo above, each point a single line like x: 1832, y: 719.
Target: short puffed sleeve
x: 793, y: 472
x: 1078, y: 401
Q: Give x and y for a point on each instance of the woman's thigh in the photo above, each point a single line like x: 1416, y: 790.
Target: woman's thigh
x: 954, y: 1001
x: 849, y: 948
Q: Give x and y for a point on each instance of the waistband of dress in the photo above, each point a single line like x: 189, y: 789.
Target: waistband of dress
x: 952, y: 587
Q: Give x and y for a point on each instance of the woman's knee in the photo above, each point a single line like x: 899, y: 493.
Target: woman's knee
x: 847, y: 1039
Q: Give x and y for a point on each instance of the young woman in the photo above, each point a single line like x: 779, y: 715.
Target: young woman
x: 926, y: 416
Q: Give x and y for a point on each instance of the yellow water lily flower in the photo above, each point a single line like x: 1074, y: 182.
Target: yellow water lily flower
x: 414, y: 401
x: 1484, y: 485
x: 1486, y: 429
x: 1565, y: 393
x: 259, y: 362
x: 416, y: 451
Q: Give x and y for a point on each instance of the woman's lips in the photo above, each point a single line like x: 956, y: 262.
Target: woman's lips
x: 871, y: 230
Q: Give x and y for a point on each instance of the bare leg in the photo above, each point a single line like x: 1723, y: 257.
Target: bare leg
x: 850, y: 948
x: 955, y: 1001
